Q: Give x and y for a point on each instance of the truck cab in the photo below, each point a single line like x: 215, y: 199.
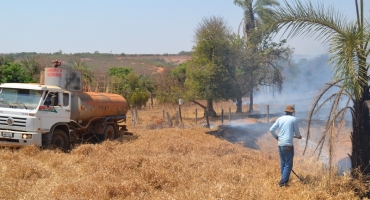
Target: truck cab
x: 28, y: 111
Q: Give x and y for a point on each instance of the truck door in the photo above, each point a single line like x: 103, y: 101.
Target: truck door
x: 57, y: 109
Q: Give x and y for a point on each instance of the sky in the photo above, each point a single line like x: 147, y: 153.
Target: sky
x: 125, y: 26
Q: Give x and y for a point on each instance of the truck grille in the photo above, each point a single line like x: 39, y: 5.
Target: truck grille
x: 17, y: 121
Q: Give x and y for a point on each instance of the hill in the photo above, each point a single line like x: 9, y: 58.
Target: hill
x: 141, y: 64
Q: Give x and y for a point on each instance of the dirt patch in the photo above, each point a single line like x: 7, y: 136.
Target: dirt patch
x: 246, y: 134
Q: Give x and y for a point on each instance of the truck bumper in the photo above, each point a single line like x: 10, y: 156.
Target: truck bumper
x: 19, y: 139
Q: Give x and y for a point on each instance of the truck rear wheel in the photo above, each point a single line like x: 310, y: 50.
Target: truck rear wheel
x: 109, y: 133
x: 59, y: 140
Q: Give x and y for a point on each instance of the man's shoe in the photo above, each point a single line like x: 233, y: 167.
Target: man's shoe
x: 283, y: 184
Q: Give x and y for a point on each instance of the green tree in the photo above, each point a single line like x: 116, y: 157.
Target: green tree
x: 208, y: 72
x: 348, y: 46
x: 118, y: 82
x: 256, y: 13
x: 133, y: 86
x: 15, y: 73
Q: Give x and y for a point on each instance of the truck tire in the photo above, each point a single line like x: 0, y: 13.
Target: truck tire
x: 59, y: 140
x: 109, y: 133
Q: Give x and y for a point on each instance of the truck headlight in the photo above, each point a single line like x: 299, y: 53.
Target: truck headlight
x: 27, y: 136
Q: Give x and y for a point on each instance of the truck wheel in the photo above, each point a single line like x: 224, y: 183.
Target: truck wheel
x: 59, y: 140
x: 109, y: 133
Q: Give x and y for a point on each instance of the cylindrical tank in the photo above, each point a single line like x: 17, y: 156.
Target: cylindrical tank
x: 86, y: 105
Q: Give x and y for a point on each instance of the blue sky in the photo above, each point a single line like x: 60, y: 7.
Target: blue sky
x: 123, y: 26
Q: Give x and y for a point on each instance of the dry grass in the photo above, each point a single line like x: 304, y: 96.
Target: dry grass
x: 163, y: 163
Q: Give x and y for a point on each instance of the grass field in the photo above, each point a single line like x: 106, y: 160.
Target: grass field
x: 158, y: 162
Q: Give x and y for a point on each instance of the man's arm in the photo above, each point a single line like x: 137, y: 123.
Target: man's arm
x: 273, y: 128
x: 296, y: 130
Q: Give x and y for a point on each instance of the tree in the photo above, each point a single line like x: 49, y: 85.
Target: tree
x: 255, y: 14
x: 259, y: 69
x: 118, y: 83
x: 33, y: 65
x: 170, y: 84
x: 349, y: 50
x: 15, y: 73
x: 208, y: 72
x: 131, y: 85
x: 88, y: 79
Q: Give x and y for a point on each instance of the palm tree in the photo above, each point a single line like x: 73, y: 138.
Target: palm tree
x: 255, y: 13
x: 349, y: 49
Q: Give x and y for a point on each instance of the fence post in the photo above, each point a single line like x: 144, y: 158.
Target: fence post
x: 133, y: 118
x: 177, y: 123
x: 222, y: 115
x: 137, y: 116
x: 196, y: 116
x: 230, y: 115
x: 268, y: 114
x: 180, y: 113
x: 169, y: 119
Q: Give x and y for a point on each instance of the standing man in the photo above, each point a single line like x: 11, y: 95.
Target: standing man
x: 288, y: 129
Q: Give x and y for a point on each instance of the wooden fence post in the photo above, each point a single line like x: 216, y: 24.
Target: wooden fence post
x: 169, y: 119
x: 268, y: 114
x: 222, y: 115
x: 196, y: 116
x: 137, y: 116
x: 133, y: 118
x: 180, y: 113
x: 230, y: 115
x: 177, y: 121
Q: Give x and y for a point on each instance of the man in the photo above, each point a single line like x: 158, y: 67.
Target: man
x: 288, y: 127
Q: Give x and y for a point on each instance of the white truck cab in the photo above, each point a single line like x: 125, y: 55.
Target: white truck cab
x: 29, y: 110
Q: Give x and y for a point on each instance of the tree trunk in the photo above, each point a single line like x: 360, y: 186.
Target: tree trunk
x: 361, y: 136
x: 239, y: 103
x: 251, y: 93
x: 211, y: 111
x: 251, y: 101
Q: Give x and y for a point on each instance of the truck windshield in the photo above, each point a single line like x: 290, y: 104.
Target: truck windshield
x: 20, y: 98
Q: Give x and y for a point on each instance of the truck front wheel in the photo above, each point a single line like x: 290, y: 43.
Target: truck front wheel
x: 59, y: 140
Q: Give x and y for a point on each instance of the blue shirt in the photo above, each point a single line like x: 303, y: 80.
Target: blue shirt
x: 288, y: 126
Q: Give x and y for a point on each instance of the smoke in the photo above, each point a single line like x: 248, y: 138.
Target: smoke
x: 304, y: 79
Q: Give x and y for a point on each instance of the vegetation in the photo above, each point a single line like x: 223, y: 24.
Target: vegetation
x: 14, y: 72
x: 348, y: 42
x: 172, y: 163
x: 260, y: 60
x: 208, y: 74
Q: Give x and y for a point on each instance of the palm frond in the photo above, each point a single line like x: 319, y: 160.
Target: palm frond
x: 307, y: 20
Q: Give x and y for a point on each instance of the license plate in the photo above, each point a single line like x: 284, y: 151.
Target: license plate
x: 7, y: 134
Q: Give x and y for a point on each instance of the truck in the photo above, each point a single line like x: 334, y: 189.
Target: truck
x: 57, y: 112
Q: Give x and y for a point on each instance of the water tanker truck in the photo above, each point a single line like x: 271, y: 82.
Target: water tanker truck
x: 57, y: 112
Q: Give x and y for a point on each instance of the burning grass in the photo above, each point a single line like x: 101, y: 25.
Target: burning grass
x: 167, y: 163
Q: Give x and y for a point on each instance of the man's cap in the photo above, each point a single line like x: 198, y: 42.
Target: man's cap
x: 289, y: 108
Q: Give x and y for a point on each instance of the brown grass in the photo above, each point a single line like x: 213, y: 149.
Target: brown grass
x: 164, y: 163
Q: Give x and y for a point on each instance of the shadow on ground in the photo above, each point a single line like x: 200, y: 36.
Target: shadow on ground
x: 247, y: 134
